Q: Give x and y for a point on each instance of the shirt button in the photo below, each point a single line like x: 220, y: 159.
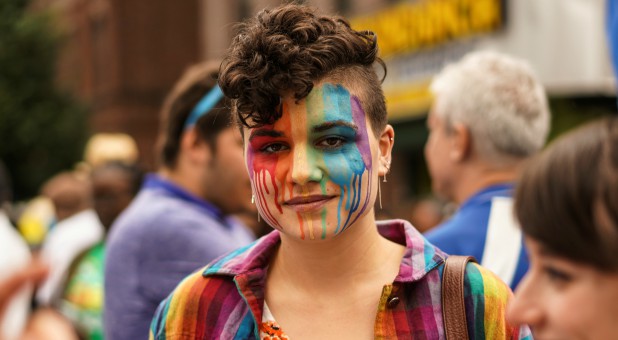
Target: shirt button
x: 392, y: 302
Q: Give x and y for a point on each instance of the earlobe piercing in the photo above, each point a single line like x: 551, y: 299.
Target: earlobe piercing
x: 388, y: 168
x: 253, y: 202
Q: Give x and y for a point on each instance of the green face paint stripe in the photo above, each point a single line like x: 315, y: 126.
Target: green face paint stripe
x: 316, y: 113
x: 323, y: 224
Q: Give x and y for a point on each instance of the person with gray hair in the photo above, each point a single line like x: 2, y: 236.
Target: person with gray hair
x: 489, y: 115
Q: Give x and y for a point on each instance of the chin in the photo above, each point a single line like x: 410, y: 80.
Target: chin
x: 549, y: 336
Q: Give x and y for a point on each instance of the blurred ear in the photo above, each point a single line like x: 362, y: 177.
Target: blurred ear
x: 193, y: 148
x: 386, y: 142
x: 461, y: 143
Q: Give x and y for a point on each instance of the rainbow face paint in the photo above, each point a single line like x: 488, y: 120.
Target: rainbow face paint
x: 311, y: 171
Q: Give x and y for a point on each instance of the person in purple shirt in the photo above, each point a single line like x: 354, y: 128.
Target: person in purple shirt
x: 180, y: 218
x: 489, y: 115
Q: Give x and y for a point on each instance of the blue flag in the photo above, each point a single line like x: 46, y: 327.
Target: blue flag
x: 612, y: 32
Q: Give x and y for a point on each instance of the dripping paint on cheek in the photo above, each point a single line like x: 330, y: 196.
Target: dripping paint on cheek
x: 361, y: 163
x: 257, y: 167
x: 363, y: 146
x: 267, y: 174
x: 347, y: 168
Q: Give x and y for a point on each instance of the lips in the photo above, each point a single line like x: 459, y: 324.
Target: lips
x: 308, y: 203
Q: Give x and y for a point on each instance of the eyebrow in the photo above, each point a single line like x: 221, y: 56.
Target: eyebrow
x: 265, y: 133
x: 545, y: 251
x: 337, y: 123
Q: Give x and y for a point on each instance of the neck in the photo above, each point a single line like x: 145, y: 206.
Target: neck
x: 360, y: 253
x: 184, y: 178
x: 475, y: 179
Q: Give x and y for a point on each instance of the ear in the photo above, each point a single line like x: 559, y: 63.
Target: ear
x: 461, y: 143
x: 386, y: 142
x: 193, y: 148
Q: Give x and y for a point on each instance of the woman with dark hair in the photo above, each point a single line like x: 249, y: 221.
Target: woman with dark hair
x: 567, y: 205
x: 312, y: 113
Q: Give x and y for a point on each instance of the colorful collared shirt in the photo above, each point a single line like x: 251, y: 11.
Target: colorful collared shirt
x: 224, y: 300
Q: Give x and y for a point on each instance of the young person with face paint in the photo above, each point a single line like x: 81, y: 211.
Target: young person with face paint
x: 567, y: 204
x: 316, y: 143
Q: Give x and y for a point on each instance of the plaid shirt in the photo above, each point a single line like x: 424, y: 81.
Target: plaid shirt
x: 225, y: 299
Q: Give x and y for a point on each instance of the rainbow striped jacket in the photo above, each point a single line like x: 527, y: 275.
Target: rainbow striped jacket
x: 224, y: 300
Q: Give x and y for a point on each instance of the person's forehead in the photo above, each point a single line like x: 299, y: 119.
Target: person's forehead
x: 324, y: 85
x: 324, y: 100
x: 323, y: 92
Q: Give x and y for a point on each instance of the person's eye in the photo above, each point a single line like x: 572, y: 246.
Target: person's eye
x: 331, y: 142
x: 273, y: 148
x: 557, y: 276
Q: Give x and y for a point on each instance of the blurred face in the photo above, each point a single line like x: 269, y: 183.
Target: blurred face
x: 112, y: 194
x: 227, y: 183
x: 437, y: 151
x: 561, y: 299
x: 68, y: 195
x: 312, y: 171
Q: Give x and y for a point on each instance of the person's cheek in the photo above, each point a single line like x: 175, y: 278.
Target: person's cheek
x: 269, y: 188
x: 261, y: 170
x: 346, y: 169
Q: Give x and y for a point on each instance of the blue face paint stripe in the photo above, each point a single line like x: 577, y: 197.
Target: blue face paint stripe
x: 323, y: 187
x: 338, y: 105
x: 339, y: 213
x: 353, y: 204
x: 346, y: 168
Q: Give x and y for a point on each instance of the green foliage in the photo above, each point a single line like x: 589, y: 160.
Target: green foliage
x: 43, y: 130
x: 571, y: 112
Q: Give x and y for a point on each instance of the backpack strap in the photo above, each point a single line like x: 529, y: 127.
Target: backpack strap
x: 453, y: 307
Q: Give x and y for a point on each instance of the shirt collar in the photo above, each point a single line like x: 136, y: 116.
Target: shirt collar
x: 420, y: 256
x: 486, y: 194
x: 154, y: 181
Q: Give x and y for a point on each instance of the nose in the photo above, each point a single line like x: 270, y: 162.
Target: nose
x: 305, y: 167
x: 526, y: 308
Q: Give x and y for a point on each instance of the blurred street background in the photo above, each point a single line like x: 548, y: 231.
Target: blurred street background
x: 70, y: 69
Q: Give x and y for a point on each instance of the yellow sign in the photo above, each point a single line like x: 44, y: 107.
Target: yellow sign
x: 409, y: 101
x: 408, y: 27
x: 417, y: 33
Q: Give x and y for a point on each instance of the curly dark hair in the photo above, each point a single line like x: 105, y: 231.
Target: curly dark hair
x: 288, y: 49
